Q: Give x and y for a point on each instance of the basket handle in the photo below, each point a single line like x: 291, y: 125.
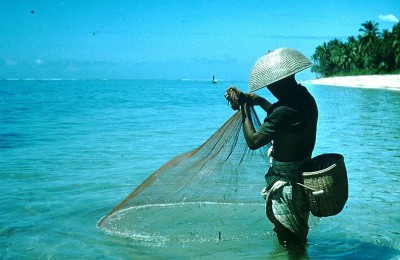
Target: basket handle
x: 314, y: 192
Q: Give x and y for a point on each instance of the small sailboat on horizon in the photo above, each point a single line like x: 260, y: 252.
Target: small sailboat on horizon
x: 214, y: 80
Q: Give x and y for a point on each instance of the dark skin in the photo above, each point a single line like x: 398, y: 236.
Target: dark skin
x: 287, y: 147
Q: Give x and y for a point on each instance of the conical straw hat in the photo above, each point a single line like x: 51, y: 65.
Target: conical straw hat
x: 276, y: 65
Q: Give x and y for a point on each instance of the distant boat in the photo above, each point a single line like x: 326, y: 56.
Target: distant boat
x: 214, y: 80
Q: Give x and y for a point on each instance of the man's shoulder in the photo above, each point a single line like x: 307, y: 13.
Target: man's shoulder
x: 282, y: 109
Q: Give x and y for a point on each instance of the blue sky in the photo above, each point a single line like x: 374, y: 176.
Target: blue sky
x: 89, y: 39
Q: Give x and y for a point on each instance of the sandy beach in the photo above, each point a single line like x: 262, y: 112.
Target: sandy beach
x: 391, y: 82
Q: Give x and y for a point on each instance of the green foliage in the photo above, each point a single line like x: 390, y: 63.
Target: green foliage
x: 371, y: 52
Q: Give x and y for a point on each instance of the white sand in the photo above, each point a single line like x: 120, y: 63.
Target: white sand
x: 391, y: 82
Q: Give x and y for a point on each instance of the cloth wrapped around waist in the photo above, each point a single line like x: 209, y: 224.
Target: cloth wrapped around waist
x: 284, y: 198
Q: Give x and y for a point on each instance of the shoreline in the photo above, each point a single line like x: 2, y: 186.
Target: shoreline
x: 390, y: 82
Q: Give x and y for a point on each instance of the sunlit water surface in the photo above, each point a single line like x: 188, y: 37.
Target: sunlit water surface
x: 72, y: 150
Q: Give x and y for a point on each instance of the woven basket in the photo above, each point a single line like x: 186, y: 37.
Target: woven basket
x: 326, y: 175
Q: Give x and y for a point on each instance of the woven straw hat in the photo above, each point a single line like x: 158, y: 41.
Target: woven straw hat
x: 276, y: 65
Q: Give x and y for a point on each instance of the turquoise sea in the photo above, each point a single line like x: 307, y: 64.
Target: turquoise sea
x: 72, y: 150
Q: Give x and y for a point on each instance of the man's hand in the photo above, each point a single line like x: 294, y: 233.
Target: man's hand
x: 235, y: 97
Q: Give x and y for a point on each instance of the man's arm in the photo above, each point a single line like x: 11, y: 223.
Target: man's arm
x: 256, y: 100
x: 253, y: 139
x: 242, y: 101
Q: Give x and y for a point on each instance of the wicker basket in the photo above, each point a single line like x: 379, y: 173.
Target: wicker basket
x: 326, y: 178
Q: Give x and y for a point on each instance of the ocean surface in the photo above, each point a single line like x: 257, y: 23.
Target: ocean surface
x: 70, y: 151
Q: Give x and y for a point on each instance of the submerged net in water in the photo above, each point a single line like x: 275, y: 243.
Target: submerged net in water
x: 209, y: 194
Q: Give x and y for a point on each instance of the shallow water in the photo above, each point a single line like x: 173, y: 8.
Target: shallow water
x: 72, y: 150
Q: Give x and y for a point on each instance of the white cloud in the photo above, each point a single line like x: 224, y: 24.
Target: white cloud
x: 39, y: 62
x: 389, y: 18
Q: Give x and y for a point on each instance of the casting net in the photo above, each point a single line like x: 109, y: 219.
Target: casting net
x: 209, y: 194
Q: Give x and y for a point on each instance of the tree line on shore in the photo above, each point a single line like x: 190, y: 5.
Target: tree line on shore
x: 371, y: 52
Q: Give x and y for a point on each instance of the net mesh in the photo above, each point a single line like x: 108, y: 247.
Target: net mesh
x: 209, y: 194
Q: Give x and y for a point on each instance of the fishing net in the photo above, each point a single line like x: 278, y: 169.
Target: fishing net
x: 209, y: 194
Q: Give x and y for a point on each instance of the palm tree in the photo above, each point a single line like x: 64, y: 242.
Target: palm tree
x: 386, y: 53
x: 354, y: 49
x: 346, y: 58
x: 338, y: 55
x: 396, y: 43
x: 371, y: 51
x: 368, y: 41
x: 322, y: 59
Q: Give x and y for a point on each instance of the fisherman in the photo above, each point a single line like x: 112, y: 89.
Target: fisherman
x: 291, y: 126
